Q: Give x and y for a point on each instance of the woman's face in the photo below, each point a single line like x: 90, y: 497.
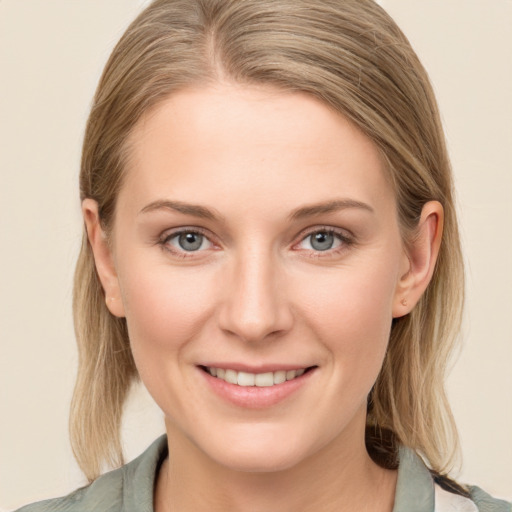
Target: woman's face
x: 256, y: 235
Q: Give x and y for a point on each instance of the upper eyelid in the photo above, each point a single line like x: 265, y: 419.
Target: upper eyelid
x: 344, y: 233
x: 170, y: 233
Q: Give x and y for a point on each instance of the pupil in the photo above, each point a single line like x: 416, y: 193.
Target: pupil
x: 322, y: 241
x: 190, y: 241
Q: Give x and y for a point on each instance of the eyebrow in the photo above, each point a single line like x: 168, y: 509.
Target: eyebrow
x: 186, y: 208
x: 328, y: 207
x: 300, y: 213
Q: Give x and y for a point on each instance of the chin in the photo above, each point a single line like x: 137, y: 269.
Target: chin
x: 252, y: 461
x: 260, y: 452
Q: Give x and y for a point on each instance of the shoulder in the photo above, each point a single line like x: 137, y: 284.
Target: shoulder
x: 129, y: 487
x: 477, y: 501
x: 80, y: 499
x: 487, y: 503
x: 106, y: 492
x: 418, y: 489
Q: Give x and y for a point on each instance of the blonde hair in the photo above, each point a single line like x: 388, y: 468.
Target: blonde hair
x: 351, y: 56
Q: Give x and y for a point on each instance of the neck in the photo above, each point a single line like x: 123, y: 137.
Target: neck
x: 340, y: 477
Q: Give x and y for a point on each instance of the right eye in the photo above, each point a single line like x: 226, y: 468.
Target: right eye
x: 187, y: 241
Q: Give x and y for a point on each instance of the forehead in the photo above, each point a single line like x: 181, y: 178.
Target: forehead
x: 201, y: 144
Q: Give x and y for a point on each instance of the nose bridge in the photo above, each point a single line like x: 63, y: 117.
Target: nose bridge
x: 256, y: 304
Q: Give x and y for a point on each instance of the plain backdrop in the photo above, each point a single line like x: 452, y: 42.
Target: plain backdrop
x: 51, y: 55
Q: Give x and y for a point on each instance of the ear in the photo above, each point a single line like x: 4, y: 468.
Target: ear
x: 103, y: 257
x: 420, y: 259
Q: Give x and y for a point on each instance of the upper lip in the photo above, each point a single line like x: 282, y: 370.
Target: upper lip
x: 262, y: 368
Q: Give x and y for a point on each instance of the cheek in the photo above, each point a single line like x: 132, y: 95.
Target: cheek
x: 350, y: 309
x: 165, y: 308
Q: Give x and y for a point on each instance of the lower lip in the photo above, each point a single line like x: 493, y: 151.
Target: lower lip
x: 254, y: 397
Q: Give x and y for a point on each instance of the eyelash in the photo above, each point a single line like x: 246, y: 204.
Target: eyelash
x: 345, y: 241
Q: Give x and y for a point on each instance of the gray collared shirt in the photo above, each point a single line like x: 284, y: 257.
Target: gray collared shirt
x: 130, y: 489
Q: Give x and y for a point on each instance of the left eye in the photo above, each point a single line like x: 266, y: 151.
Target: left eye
x: 189, y: 241
x: 321, y: 241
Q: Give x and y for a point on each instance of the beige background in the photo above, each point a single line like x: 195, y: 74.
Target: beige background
x: 51, y: 54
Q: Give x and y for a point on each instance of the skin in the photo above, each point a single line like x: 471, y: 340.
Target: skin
x: 258, y: 293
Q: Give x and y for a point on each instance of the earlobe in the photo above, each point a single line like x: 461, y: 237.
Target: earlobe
x: 103, y: 257
x: 422, y: 253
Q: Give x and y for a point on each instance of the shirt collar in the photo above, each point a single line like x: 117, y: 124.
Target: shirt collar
x: 415, y: 486
x: 414, y: 490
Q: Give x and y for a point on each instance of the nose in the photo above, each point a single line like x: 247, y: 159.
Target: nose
x: 256, y: 306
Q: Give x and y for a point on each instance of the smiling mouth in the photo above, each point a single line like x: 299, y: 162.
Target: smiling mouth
x: 246, y: 379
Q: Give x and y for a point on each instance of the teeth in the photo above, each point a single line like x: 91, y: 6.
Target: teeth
x: 255, y: 379
x: 245, y: 379
x: 264, y: 379
x: 231, y: 377
x: 290, y: 374
x: 279, y: 377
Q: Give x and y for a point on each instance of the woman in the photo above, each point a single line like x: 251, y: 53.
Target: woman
x: 271, y: 246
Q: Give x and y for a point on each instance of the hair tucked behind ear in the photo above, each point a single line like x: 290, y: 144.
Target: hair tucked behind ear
x: 350, y: 55
x: 105, y: 372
